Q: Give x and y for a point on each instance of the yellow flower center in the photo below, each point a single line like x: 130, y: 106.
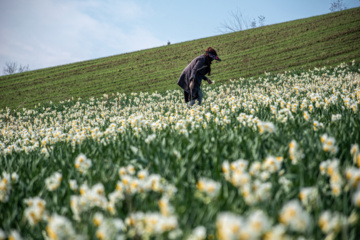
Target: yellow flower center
x: 200, y: 185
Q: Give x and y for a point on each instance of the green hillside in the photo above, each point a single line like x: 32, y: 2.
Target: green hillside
x: 313, y: 42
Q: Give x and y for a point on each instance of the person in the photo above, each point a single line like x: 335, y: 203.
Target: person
x: 192, y: 76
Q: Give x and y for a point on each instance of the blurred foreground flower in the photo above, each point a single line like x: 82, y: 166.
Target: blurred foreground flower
x: 149, y: 224
x: 34, y: 213
x: 5, y: 185
x: 111, y: 228
x: 355, y: 153
x: 295, y: 153
x: 293, y: 216
x: 54, y: 181
x: 199, y: 233
x: 208, y: 187
x: 60, y: 228
x: 82, y: 164
x: 309, y: 196
x: 232, y: 226
x: 328, y: 144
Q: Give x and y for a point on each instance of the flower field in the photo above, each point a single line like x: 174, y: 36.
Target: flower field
x: 275, y: 157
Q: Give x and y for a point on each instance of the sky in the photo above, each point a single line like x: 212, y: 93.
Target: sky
x: 46, y: 33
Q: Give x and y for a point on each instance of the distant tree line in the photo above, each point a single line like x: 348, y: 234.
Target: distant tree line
x: 238, y: 22
x: 337, y: 5
x: 13, y: 67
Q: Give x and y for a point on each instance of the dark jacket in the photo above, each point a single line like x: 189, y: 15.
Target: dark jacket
x: 195, y: 70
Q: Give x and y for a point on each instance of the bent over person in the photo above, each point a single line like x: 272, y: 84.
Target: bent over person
x: 192, y: 76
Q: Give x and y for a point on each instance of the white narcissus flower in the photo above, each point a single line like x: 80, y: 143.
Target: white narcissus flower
x: 208, y: 186
x: 295, y: 217
x: 34, y: 213
x: 198, y: 233
x: 82, y: 163
x: 54, y: 181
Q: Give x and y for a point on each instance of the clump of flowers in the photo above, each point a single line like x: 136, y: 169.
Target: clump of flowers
x: 35, y: 211
x: 285, y: 183
x: 208, y: 188
x: 131, y: 184
x: 317, y: 125
x: 272, y: 164
x: 88, y: 199
x: 5, y: 185
x: 110, y: 228
x: 73, y: 185
x: 60, y: 227
x: 45, y: 151
x: 233, y: 226
x: 295, y: 153
x: 149, y: 224
x: 14, y: 235
x: 328, y: 144
x: 356, y: 198
x: 355, y: 153
x: 309, y: 196
x: 265, y: 127
x: 336, y: 117
x: 228, y: 225
x: 150, y: 138
x: 165, y: 207
x: 98, y: 218
x: 54, y: 181
x: 253, y: 190
x: 276, y: 232
x: 198, y: 233
x: 352, y: 175
x: 248, y: 121
x: 331, y: 223
x: 294, y: 217
x: 331, y: 169
x: 284, y: 115
x: 306, y: 116
x: 82, y: 163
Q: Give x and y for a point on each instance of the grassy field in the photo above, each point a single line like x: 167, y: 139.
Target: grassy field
x: 275, y: 157
x: 314, y: 42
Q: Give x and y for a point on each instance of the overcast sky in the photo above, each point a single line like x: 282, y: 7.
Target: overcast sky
x: 45, y: 33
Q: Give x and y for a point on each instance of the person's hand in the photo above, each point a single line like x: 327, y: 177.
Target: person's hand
x: 191, y: 85
x: 209, y: 81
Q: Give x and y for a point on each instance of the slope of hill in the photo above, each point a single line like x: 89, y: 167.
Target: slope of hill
x: 306, y: 43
